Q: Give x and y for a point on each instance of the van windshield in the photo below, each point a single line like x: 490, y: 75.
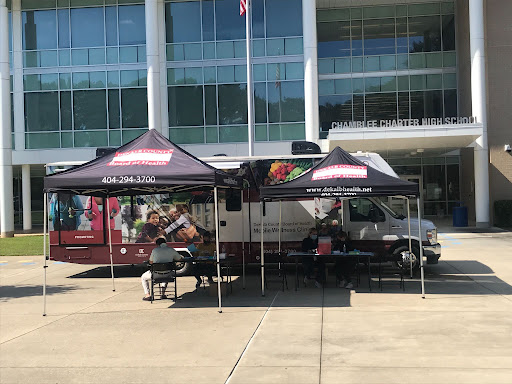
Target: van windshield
x: 388, y: 209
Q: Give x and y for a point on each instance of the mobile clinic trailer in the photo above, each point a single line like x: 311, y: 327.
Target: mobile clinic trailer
x: 150, y: 164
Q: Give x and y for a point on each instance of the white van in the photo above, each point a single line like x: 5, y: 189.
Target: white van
x: 370, y: 223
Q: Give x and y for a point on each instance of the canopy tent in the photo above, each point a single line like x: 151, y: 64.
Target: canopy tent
x: 340, y: 175
x: 146, y: 165
x: 149, y: 164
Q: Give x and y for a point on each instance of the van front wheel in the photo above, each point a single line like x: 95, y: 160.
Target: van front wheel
x: 402, y: 258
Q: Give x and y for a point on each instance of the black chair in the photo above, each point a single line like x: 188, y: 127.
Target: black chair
x: 278, y: 270
x: 163, y: 273
x: 389, y: 268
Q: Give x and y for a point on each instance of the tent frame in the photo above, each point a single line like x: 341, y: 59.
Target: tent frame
x: 262, y: 253
x: 216, y: 202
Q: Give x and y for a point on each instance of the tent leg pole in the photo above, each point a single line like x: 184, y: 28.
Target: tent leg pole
x: 280, y: 225
x: 109, y: 242
x: 421, y: 251
x: 409, y: 228
x: 243, y: 241
x: 45, y: 222
x: 216, y: 198
x: 262, y: 254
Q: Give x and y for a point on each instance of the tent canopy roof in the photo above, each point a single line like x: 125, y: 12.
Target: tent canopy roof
x: 148, y: 164
x: 340, y: 175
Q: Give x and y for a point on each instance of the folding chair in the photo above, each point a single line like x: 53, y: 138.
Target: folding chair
x: 278, y: 270
x: 387, y: 269
x: 163, y: 273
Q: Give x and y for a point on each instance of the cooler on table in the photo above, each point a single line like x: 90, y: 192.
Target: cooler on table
x: 324, y: 245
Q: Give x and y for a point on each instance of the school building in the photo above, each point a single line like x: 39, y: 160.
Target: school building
x: 426, y: 84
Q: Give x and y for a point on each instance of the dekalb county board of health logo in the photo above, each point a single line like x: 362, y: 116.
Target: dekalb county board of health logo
x: 144, y: 156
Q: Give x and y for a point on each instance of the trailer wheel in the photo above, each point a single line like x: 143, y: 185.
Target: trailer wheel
x: 401, y: 258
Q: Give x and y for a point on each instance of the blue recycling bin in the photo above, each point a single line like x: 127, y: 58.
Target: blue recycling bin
x: 460, y: 216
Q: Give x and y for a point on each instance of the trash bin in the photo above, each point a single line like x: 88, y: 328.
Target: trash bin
x: 460, y: 216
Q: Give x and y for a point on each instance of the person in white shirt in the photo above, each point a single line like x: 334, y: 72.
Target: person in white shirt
x: 161, y: 254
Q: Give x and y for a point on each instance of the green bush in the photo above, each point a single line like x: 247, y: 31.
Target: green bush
x: 503, y: 213
x: 138, y: 225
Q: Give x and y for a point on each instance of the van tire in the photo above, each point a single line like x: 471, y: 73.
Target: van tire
x: 183, y: 269
x: 404, y: 250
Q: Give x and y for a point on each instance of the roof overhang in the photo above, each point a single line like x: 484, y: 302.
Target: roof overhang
x: 405, y: 138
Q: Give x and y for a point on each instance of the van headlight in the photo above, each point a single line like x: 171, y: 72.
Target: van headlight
x: 432, y: 236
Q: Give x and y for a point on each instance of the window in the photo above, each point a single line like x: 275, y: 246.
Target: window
x: 90, y: 109
x: 285, y: 101
x: 41, y: 111
x: 230, y: 25
x: 132, y: 25
x: 232, y: 104
x: 183, y: 21
x: 284, y: 18
x: 134, y: 108
x: 87, y: 27
x: 364, y: 210
x: 39, y: 30
x: 185, y: 106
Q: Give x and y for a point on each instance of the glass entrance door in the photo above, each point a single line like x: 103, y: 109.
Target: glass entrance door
x: 400, y: 205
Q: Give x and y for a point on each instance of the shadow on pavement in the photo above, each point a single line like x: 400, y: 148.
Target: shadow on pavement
x: 18, y: 291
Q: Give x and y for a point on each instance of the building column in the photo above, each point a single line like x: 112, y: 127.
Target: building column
x: 6, y: 196
x: 312, y: 117
x: 153, y: 62
x: 18, y: 96
x: 26, y: 197
x: 164, y: 103
x: 479, y: 110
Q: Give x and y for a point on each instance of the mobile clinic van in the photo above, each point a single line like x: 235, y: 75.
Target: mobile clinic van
x: 370, y: 222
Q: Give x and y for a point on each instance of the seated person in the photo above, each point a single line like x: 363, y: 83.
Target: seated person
x: 344, y: 265
x: 309, y: 263
x: 206, y: 248
x: 150, y: 231
x: 161, y: 254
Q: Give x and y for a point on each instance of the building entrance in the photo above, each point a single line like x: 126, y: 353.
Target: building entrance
x: 400, y: 205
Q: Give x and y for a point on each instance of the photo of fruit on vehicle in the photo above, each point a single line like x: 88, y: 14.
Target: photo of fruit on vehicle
x: 280, y: 171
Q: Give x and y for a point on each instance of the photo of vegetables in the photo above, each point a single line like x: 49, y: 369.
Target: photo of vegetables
x: 280, y: 171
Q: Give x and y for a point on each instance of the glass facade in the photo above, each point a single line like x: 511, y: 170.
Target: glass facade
x: 85, y: 75
x: 386, y: 63
x: 207, y: 76
x: 440, y: 181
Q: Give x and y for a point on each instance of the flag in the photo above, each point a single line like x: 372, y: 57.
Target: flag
x: 278, y: 75
x: 243, y: 7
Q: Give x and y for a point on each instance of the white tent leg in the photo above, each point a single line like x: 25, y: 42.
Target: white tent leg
x: 421, y: 251
x: 216, y: 198
x: 45, y: 221
x: 243, y: 241
x: 109, y: 242
x: 262, y: 254
x: 410, y: 239
x: 280, y: 224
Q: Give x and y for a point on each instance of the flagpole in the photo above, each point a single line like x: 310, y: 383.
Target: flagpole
x: 250, y: 92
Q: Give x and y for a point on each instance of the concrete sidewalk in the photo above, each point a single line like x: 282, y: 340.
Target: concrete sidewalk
x: 459, y: 334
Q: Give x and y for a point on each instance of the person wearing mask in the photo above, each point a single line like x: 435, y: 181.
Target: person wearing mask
x: 65, y: 211
x: 206, y: 248
x: 344, y: 265
x: 310, y: 244
x: 161, y: 254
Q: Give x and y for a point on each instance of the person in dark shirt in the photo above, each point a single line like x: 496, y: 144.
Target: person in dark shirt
x: 344, y: 265
x: 310, y: 244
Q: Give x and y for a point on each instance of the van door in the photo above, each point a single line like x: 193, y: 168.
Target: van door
x: 367, y: 224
